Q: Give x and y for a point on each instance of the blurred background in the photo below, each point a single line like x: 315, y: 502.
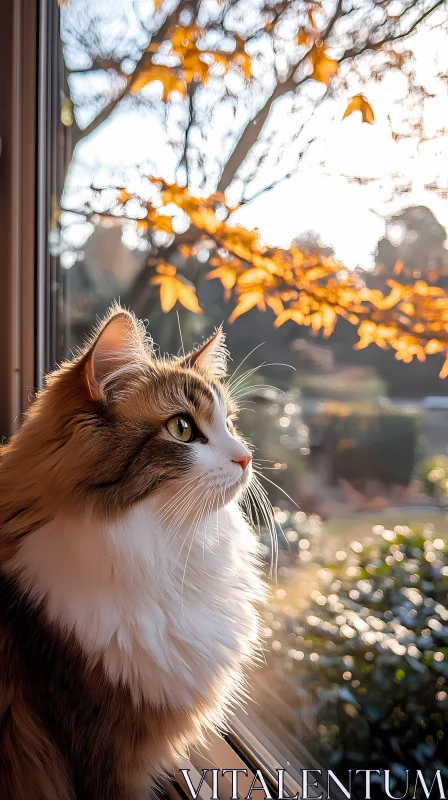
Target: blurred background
x: 201, y: 160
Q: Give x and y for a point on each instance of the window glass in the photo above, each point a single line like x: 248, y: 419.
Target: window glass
x: 324, y: 124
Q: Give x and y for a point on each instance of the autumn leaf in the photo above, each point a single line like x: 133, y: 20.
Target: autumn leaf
x: 163, y: 223
x: 158, y: 72
x: 302, y: 37
x: 173, y: 288
x: 157, y: 4
x: 289, y: 314
x: 226, y: 275
x: 248, y: 300
x: 359, y: 103
x: 186, y: 295
x: 323, y: 67
x: 123, y: 196
x: 193, y: 68
x: 184, y: 37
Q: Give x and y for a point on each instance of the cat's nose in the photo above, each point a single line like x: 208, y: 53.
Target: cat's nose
x: 244, y: 461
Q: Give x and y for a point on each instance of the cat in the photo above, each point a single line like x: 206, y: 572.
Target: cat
x: 129, y: 576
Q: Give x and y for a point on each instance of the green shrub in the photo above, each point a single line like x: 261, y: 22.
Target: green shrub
x: 370, y: 647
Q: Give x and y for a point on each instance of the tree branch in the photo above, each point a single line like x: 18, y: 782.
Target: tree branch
x: 253, y: 128
x: 77, y: 133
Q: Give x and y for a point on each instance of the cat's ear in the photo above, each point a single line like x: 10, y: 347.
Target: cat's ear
x: 118, y: 354
x: 211, y: 357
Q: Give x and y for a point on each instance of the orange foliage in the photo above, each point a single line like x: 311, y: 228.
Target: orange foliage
x: 359, y: 103
x: 307, y: 288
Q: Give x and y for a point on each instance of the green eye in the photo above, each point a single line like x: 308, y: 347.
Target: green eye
x: 181, y: 428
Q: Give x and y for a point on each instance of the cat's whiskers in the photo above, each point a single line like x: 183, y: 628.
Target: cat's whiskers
x: 168, y: 506
x: 245, y: 359
x: 194, y: 497
x: 197, y: 500
x: 203, y: 519
x: 262, y: 501
x: 260, y: 474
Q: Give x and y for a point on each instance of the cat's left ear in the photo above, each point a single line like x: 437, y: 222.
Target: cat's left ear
x: 211, y: 357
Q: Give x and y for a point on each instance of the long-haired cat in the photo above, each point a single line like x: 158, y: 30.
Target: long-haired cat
x: 128, y: 574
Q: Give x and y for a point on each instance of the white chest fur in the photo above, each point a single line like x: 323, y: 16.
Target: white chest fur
x: 169, y: 616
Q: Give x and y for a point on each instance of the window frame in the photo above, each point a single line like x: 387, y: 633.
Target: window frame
x: 18, y: 159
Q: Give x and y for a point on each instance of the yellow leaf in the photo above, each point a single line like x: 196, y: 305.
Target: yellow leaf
x: 359, y: 103
x: 184, y: 36
x: 123, y: 195
x: 158, y: 72
x: 275, y: 304
x: 193, y: 68
x: 168, y: 294
x: 444, y: 371
x: 163, y: 223
x: 290, y: 313
x: 302, y: 37
x: 433, y: 346
x: 392, y: 298
x: 157, y: 4
x: 187, y: 296
x: 253, y: 276
x: 226, y: 275
x: 323, y: 67
x: 315, y: 273
x: 248, y: 301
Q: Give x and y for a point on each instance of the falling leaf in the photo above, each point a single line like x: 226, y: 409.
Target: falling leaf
x: 323, y: 67
x: 359, y: 103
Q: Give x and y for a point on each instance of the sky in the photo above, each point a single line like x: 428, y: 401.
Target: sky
x: 346, y: 216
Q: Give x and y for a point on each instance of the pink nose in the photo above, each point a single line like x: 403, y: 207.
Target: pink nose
x: 243, y: 462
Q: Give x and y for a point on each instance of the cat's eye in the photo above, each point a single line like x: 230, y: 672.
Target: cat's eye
x: 181, y: 428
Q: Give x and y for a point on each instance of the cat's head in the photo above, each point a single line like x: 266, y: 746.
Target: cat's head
x: 124, y: 423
